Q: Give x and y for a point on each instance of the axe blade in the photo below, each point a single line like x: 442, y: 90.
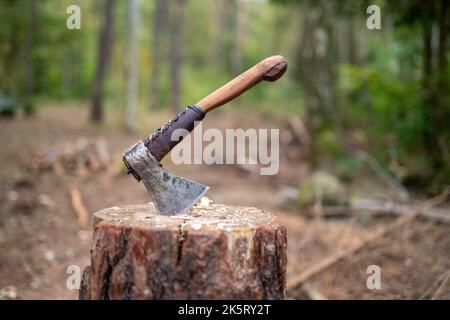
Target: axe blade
x: 172, y: 195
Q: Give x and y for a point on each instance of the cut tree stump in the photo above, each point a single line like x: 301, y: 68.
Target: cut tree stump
x: 212, y: 252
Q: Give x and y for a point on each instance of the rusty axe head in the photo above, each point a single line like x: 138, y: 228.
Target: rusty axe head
x: 171, y: 194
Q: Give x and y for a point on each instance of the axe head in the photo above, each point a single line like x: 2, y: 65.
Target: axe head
x: 171, y: 194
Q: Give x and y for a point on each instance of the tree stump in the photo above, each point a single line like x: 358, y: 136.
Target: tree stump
x: 212, y: 252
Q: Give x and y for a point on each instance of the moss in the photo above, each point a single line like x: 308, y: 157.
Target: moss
x: 322, y: 186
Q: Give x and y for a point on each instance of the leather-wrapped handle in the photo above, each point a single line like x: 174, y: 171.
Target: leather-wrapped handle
x: 269, y: 69
x: 161, y: 141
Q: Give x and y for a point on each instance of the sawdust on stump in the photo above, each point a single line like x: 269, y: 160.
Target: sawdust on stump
x: 211, y: 252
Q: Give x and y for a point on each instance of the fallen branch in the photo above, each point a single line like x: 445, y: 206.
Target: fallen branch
x: 389, y: 207
x: 441, y: 279
x: 401, y: 191
x: 377, y: 169
x: 439, y: 290
x: 82, y: 159
x: 323, y: 265
x: 381, y: 207
x: 78, y: 206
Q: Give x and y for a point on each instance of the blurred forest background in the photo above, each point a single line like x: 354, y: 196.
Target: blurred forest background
x: 361, y: 112
x: 386, y: 90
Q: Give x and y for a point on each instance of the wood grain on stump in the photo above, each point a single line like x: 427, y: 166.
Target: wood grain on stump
x: 212, y: 252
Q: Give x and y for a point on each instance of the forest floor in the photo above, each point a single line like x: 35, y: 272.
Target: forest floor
x: 40, y: 236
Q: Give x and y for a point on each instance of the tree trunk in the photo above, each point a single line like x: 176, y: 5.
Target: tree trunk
x: 28, y: 42
x: 220, y: 32
x: 427, y: 54
x: 212, y: 252
x: 441, y: 109
x: 241, y: 21
x: 316, y: 68
x: 160, y: 19
x: 354, y: 56
x: 443, y: 38
x: 427, y: 90
x: 176, y: 38
x: 133, y: 58
x: 104, y: 53
x: 226, y: 34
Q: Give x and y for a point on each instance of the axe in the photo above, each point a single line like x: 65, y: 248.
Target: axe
x: 173, y: 195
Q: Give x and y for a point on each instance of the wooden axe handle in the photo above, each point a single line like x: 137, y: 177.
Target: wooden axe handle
x: 269, y: 69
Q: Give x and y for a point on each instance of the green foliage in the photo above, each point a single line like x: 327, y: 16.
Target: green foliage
x: 329, y: 143
x: 7, y: 104
x: 59, y: 58
x: 387, y: 98
x: 29, y: 108
x: 395, y: 103
x: 345, y: 167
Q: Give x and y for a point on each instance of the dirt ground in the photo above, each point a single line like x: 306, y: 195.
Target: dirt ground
x: 40, y: 236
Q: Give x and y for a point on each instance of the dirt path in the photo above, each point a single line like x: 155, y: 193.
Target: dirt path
x: 40, y: 236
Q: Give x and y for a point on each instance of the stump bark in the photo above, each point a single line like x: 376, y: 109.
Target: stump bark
x: 212, y: 252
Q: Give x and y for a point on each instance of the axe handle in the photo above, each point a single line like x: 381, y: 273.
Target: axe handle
x: 269, y: 69
x: 160, y: 142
